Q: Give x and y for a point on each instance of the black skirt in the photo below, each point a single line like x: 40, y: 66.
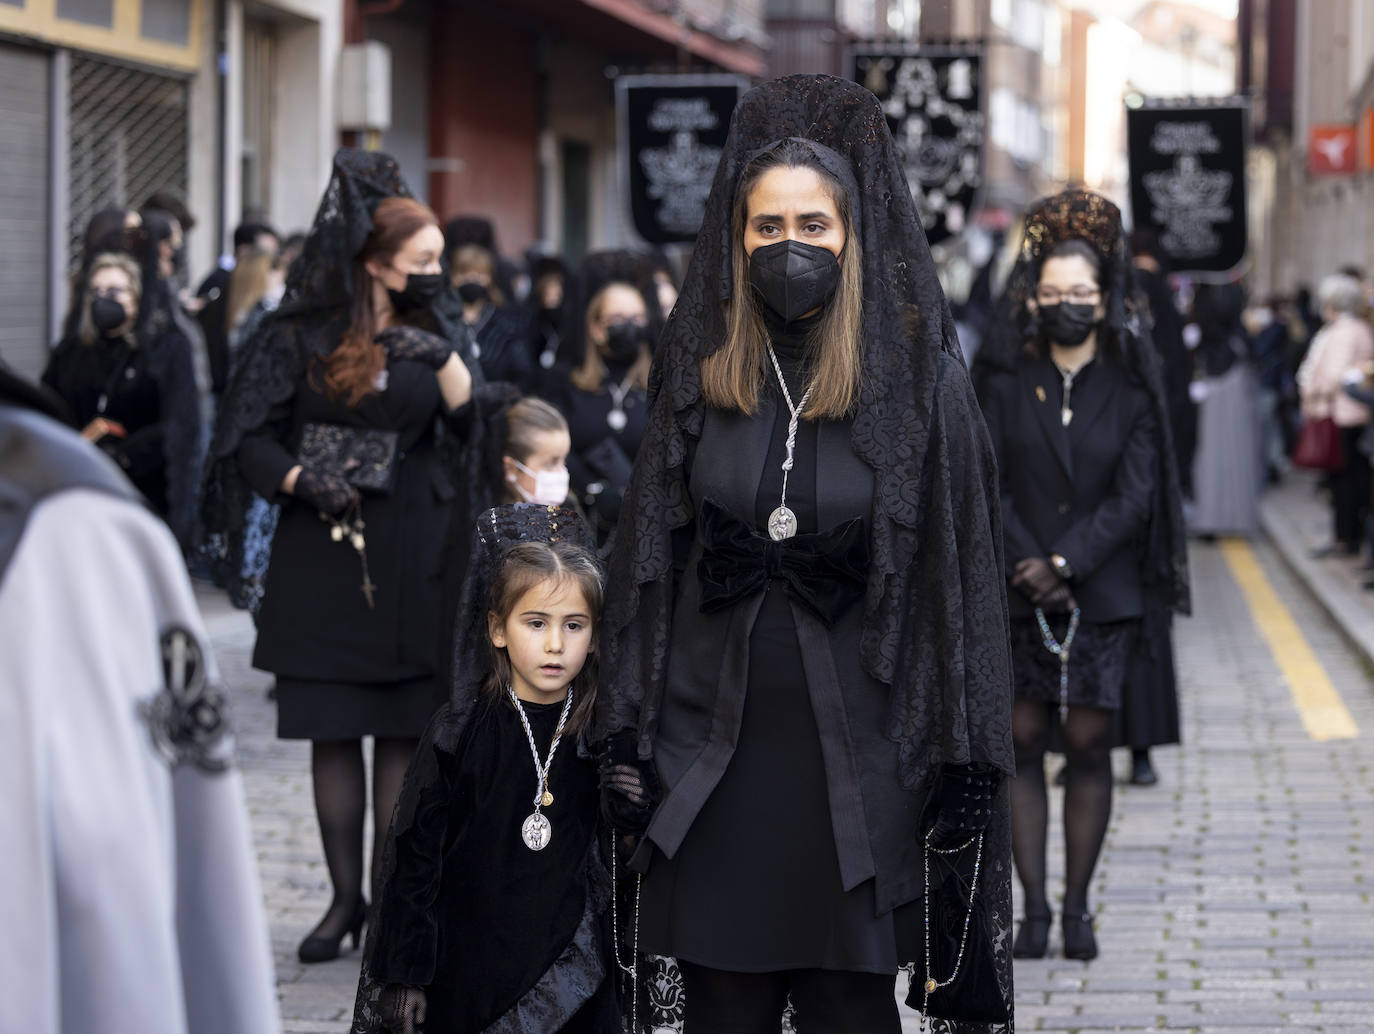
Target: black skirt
x: 1098, y: 661
x: 755, y: 886
x: 318, y: 710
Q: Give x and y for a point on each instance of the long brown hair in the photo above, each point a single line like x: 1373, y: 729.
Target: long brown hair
x: 352, y: 368
x: 522, y: 568
x: 732, y: 375
x: 592, y: 370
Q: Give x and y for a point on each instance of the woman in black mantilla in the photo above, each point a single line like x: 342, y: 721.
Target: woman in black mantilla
x: 825, y: 705
x: 1095, y: 545
x: 350, y: 620
x: 611, y: 322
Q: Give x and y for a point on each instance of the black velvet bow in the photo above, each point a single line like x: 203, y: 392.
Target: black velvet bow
x: 825, y: 572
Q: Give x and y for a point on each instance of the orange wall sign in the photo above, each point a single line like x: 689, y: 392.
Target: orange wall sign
x: 1331, y: 150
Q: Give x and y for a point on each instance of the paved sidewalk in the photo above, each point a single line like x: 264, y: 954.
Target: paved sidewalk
x: 1234, y: 896
x: 1296, y: 517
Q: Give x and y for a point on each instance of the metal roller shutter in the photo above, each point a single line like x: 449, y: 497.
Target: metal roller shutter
x: 24, y: 185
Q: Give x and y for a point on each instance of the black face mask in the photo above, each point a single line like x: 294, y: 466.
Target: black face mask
x: 793, y: 278
x: 471, y: 291
x: 1068, y: 324
x: 107, y: 315
x: 420, y: 290
x: 623, y: 341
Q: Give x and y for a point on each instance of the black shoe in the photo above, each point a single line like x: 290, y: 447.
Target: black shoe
x: 1142, y: 772
x: 1032, y: 937
x: 1079, y: 940
x: 325, y: 949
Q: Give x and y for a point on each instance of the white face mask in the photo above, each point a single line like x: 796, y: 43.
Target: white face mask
x: 550, y: 486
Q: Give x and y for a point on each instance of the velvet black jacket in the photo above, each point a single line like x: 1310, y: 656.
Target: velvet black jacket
x: 1083, y: 492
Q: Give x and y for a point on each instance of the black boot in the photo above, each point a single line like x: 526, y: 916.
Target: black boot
x: 1142, y: 772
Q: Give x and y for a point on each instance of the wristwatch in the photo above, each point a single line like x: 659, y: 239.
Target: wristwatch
x: 1061, y: 566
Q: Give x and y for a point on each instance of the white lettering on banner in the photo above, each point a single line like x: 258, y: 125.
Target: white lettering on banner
x: 1188, y: 201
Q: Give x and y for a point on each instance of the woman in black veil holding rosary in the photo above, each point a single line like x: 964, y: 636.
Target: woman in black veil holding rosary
x: 806, y: 691
x: 1096, y: 547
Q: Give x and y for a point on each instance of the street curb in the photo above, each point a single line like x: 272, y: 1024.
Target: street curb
x: 1345, y: 610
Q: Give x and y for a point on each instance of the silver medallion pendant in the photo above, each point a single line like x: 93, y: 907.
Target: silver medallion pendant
x: 617, y: 419
x: 782, y: 524
x: 536, y: 832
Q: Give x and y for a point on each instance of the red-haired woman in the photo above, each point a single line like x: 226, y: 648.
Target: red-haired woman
x: 336, y: 413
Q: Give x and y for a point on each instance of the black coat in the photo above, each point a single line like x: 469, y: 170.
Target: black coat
x: 315, y: 622
x: 1084, y: 491
x: 119, y: 374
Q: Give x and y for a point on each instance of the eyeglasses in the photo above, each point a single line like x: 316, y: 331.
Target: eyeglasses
x: 1081, y: 295
x: 112, y: 292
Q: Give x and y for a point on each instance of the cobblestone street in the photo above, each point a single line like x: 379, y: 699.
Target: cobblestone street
x: 1233, y: 896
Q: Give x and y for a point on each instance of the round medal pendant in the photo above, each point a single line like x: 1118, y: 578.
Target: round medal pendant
x: 931, y: 986
x: 782, y: 524
x: 617, y: 419
x: 547, y: 800
x: 546, y: 359
x: 536, y: 832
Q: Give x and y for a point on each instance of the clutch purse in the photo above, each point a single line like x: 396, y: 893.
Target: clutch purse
x: 366, y: 458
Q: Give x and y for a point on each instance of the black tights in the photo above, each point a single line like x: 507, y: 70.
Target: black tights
x: 824, y: 1001
x: 340, y: 779
x: 1087, y: 799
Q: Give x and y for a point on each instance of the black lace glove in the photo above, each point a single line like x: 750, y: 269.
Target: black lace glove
x: 329, y: 493
x: 629, y: 786
x: 417, y: 346
x: 963, y: 797
x: 403, y: 1009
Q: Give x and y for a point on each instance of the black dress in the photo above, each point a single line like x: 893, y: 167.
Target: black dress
x: 763, y: 846
x: 345, y: 669
x: 112, y: 378
x: 602, y: 454
x: 1083, y: 491
x: 500, y: 938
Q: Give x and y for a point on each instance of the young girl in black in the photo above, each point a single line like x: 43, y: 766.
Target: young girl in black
x: 491, y: 907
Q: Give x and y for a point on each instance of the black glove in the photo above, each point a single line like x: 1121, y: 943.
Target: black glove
x: 629, y: 786
x: 403, y: 1009
x: 329, y: 493
x: 417, y: 345
x: 963, y: 797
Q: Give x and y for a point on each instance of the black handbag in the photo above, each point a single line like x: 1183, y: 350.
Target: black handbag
x: 366, y: 458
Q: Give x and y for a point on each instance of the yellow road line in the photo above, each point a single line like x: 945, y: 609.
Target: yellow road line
x: 1319, y: 704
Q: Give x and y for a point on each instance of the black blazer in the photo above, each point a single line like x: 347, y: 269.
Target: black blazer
x: 1083, y: 491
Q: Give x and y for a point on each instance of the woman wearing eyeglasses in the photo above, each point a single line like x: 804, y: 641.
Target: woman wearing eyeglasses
x: 1093, y: 531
